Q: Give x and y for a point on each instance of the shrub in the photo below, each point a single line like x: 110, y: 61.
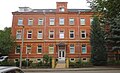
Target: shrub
x: 7, y: 63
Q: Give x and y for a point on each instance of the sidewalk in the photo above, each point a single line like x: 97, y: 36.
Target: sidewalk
x: 71, y: 69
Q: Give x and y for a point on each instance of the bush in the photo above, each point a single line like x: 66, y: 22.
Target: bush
x: 74, y: 65
x: 25, y: 63
x: 113, y: 62
x: 47, y: 61
x: 33, y: 65
x: 7, y: 63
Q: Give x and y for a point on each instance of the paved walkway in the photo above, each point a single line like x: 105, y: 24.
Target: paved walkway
x: 72, y: 69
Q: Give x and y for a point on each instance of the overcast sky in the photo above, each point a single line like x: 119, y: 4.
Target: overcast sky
x: 8, y: 6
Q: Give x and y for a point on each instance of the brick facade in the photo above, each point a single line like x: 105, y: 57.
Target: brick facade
x: 62, y: 44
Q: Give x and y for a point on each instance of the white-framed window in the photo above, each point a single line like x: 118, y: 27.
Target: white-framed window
x: 61, y: 21
x: 83, y: 34
x: 40, y: 21
x: 16, y: 60
x: 71, y: 21
x: 91, y: 19
x: 72, y: 60
x: 71, y: 34
x: 28, y: 49
x: 51, y: 34
x: 84, y: 49
x: 61, y: 34
x: 52, y: 21
x: 30, y: 21
x: 19, y: 34
x: 29, y: 35
x: 72, y: 49
x: 39, y: 60
x: 39, y: 49
x: 17, y: 50
x: 61, y: 9
x: 51, y: 49
x: 20, y: 21
x: 40, y: 35
x: 82, y: 21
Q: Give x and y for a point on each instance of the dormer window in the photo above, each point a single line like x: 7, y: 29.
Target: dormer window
x: 61, y: 9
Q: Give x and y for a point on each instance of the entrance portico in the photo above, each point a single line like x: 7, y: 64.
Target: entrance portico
x: 61, y: 51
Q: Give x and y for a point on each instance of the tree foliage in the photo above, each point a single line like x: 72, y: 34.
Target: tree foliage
x: 6, y: 41
x: 97, y: 41
x: 109, y: 11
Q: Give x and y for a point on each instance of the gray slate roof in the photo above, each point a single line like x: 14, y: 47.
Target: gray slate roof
x: 54, y: 10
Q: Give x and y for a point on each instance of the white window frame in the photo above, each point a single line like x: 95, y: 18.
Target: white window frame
x: 20, y: 21
x: 71, y: 20
x: 72, y: 49
x: 17, y: 49
x: 82, y: 21
x: 30, y: 48
x: 19, y: 34
x: 51, y: 33
x: 61, y: 34
x: 83, y: 34
x: 51, y: 48
x: 52, y: 21
x: 61, y: 21
x: 61, y: 9
x: 39, y: 47
x: 28, y: 34
x: 39, y: 60
x: 40, y: 21
x: 91, y: 19
x: 84, y: 46
x: 72, y: 60
x: 30, y: 21
x: 40, y: 35
x: 72, y: 33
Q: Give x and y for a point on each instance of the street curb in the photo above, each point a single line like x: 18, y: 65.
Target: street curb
x: 70, y: 69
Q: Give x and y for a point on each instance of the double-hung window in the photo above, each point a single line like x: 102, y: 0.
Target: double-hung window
x: 51, y: 50
x: 82, y: 21
x: 28, y: 49
x: 40, y: 21
x: 61, y: 34
x: 20, y: 21
x: 39, y: 49
x: 72, y: 49
x: 71, y: 21
x: 84, y: 49
x: 18, y: 34
x: 91, y: 20
x: 30, y: 21
x: 39, y: 34
x: 61, y: 21
x: 29, y: 35
x: 52, y: 21
x: 51, y: 34
x: 17, y: 51
x: 83, y: 34
x: 71, y: 33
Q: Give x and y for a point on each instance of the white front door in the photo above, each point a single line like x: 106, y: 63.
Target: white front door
x: 61, y: 55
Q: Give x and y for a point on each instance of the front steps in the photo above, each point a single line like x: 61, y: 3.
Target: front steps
x: 60, y: 64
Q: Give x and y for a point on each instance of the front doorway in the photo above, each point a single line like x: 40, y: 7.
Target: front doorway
x: 61, y: 55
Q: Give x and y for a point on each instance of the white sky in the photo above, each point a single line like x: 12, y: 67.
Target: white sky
x: 8, y: 6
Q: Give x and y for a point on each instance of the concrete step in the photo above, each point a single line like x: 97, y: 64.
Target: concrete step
x: 60, y: 65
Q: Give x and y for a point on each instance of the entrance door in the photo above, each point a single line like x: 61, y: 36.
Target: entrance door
x: 61, y: 55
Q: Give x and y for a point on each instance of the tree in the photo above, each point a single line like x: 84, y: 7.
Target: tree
x: 97, y: 41
x: 6, y: 41
x: 109, y: 11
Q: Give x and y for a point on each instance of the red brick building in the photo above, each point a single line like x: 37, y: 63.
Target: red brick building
x: 61, y: 32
